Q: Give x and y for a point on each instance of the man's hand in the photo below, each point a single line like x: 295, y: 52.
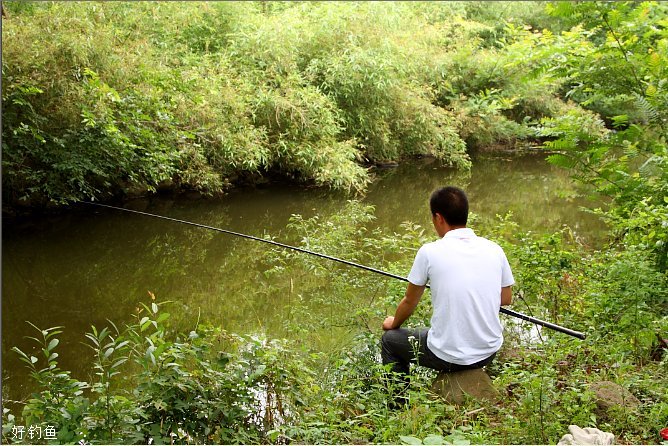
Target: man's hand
x: 405, y: 308
x: 388, y: 323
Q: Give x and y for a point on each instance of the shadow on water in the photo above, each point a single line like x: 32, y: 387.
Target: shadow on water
x: 90, y: 266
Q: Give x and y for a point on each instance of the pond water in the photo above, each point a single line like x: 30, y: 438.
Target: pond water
x: 92, y: 265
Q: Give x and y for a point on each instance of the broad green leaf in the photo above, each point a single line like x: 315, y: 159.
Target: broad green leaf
x: 54, y: 342
x: 434, y: 439
x: 406, y: 439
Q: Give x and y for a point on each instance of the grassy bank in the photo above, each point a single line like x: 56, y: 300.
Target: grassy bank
x: 209, y: 386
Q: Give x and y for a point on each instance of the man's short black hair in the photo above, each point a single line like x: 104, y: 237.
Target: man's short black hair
x: 452, y: 204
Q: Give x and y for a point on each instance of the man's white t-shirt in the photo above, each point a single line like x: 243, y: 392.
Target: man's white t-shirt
x: 466, y: 274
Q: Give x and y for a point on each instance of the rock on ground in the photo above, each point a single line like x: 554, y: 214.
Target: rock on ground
x: 453, y: 387
x: 609, y: 394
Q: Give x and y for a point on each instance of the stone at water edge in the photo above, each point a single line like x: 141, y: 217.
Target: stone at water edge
x: 609, y: 394
x: 453, y: 387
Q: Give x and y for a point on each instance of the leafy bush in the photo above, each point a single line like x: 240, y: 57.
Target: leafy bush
x: 150, y: 385
x: 124, y: 98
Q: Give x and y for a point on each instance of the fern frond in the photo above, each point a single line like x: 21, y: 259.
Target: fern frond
x: 563, y: 161
x: 560, y: 145
x: 655, y: 61
x: 648, y: 110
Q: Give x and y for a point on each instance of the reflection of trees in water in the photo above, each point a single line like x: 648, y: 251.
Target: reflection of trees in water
x: 540, y: 196
x: 403, y: 193
x: 99, y: 269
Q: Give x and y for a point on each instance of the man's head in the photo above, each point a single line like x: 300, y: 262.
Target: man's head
x: 451, y: 204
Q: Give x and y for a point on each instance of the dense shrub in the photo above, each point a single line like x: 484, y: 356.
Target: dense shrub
x: 112, y: 99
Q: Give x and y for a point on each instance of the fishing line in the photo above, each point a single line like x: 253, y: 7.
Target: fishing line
x: 505, y: 311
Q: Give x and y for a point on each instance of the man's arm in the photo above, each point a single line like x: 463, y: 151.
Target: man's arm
x: 506, y: 295
x: 405, y: 307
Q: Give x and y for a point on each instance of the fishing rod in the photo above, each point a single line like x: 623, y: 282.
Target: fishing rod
x: 505, y: 311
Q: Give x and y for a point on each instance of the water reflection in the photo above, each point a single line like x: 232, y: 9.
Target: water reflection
x: 539, y: 196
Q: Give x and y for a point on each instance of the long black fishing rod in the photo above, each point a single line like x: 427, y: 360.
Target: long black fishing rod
x: 506, y: 311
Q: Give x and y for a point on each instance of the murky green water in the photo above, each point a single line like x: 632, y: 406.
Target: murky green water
x: 91, y: 265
